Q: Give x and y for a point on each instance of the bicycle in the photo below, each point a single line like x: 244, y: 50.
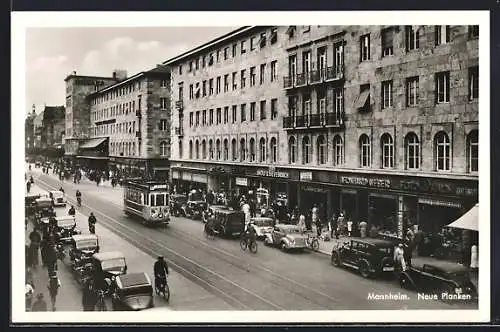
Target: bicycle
x: 248, y: 243
x: 79, y: 201
x: 101, y: 304
x: 312, y: 242
x: 162, y: 288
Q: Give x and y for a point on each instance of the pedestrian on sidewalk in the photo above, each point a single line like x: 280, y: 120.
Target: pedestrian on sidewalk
x: 40, y: 304
x: 89, y: 296
x: 53, y: 287
x: 29, y: 291
x: 332, y: 225
x: 363, y: 227
x: 399, y: 258
x: 474, y: 257
x: 28, y: 186
x: 340, y: 223
x: 51, y: 259
x: 302, y: 223
x: 349, y: 227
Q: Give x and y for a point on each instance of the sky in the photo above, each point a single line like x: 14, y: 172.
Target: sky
x: 53, y: 53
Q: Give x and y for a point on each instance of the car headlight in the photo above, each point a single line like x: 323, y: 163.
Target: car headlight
x: 160, y: 216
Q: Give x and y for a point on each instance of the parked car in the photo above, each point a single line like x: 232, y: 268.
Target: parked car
x: 58, y: 198
x: 442, y: 279
x: 370, y: 256
x: 67, y: 228
x: 194, y: 209
x: 109, y: 264
x: 83, y: 246
x: 287, y: 237
x: 262, y: 226
x: 177, y: 201
x: 132, y: 291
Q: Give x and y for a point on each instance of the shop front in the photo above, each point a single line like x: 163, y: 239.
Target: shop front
x: 186, y: 179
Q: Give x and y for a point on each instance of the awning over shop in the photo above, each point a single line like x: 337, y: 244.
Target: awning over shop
x: 93, y: 143
x: 92, y: 157
x: 469, y: 220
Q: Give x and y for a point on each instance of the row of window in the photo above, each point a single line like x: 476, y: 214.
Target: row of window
x: 114, y: 128
x: 239, y: 152
x: 220, y: 117
x: 207, y: 87
x: 117, y: 92
x: 412, y: 151
x: 124, y: 109
x: 412, y: 87
x: 254, y: 42
x: 412, y: 39
x: 122, y: 148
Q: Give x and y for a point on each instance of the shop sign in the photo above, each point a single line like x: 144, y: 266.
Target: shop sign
x: 313, y: 189
x: 241, y: 182
x: 306, y: 176
x: 383, y: 183
x: 437, y: 187
x: 158, y: 186
x: 273, y: 173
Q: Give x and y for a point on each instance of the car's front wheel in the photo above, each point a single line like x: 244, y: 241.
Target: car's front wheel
x: 283, y: 246
x: 404, y: 282
x: 335, y: 259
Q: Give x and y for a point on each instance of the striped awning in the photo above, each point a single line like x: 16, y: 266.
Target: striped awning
x: 93, y: 143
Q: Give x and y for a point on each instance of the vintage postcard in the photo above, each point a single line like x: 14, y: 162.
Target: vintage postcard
x: 238, y: 167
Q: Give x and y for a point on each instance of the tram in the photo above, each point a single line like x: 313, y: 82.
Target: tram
x: 147, y: 200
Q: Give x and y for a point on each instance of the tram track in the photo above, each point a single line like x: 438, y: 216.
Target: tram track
x: 235, y: 294
x: 295, y: 288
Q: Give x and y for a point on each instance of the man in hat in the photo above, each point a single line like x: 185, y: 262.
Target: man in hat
x: 53, y: 287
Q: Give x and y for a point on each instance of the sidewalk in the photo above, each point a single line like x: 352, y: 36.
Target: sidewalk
x: 188, y: 293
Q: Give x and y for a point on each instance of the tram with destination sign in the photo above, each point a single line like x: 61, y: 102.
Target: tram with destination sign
x: 148, y: 201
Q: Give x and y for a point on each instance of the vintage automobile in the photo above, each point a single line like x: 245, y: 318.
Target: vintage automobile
x: 83, y: 247
x: 177, y: 201
x: 228, y: 222
x: 262, y: 226
x: 287, y: 237
x: 132, y: 291
x: 109, y: 264
x: 43, y: 209
x: 446, y: 280
x: 30, y: 203
x: 58, y: 198
x: 370, y: 256
x: 67, y: 228
x: 194, y: 209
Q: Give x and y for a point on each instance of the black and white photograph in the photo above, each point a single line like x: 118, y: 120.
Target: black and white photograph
x: 233, y: 167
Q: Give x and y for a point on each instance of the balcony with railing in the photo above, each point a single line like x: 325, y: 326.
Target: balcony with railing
x: 179, y: 131
x: 328, y: 74
x: 179, y: 104
x: 321, y: 120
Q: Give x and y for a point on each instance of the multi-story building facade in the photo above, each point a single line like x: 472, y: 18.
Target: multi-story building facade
x: 29, y: 131
x: 130, y: 124
x: 53, y: 124
x: 38, y: 130
x: 227, y: 99
x: 77, y: 117
x: 380, y: 122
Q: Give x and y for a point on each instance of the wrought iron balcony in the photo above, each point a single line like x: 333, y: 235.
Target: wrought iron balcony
x: 326, y: 120
x: 315, y: 76
x: 327, y: 74
x: 179, y: 104
x: 334, y: 73
x: 301, y: 80
x: 179, y: 131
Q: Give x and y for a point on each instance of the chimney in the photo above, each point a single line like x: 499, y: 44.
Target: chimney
x: 33, y: 109
x: 120, y: 75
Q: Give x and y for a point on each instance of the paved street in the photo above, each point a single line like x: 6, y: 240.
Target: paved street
x: 216, y: 274
x: 185, y: 294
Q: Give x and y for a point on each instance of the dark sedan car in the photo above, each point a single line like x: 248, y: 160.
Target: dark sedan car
x: 371, y: 257
x: 440, y: 280
x: 133, y: 291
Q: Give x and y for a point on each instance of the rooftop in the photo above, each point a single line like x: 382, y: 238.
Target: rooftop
x: 74, y: 75
x: 159, y: 69
x: 214, y: 42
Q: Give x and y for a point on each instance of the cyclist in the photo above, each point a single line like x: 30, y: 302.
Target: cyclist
x: 160, y: 271
x: 79, y: 197
x: 250, y: 234
x: 210, y: 224
x: 92, y: 222
x: 72, y: 211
